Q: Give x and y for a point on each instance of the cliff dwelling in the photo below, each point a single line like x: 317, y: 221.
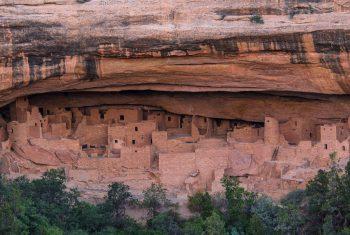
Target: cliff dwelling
x: 174, y: 92
x: 141, y: 144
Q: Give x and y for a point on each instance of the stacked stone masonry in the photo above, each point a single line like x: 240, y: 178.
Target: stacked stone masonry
x: 139, y: 145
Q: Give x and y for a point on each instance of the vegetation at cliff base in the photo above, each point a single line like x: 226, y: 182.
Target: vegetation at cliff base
x: 46, y: 206
x: 257, y: 19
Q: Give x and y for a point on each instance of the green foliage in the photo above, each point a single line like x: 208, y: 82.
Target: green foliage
x: 51, y: 197
x: 194, y: 227
x: 45, y: 206
x: 328, y: 200
x: 289, y: 220
x: 88, y: 217
x: 327, y: 226
x: 166, y: 223
x: 294, y: 198
x: 267, y: 212
x: 38, y: 207
x: 306, y: 10
x: 326, y: 197
x: 77, y: 232
x: 118, y: 197
x: 214, y: 225
x: 53, y: 230
x: 256, y: 226
x: 345, y: 231
x: 154, y: 199
x: 12, y: 208
x: 239, y: 203
x: 257, y: 19
x: 201, y: 203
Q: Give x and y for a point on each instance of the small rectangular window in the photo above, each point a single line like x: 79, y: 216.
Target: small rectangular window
x: 325, y: 146
x: 169, y: 119
x: 102, y: 115
x: 116, y: 141
x: 121, y: 117
x: 41, y: 110
x: 133, y: 141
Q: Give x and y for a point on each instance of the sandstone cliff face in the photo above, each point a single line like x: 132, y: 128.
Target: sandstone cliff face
x: 101, y: 45
x: 215, y: 59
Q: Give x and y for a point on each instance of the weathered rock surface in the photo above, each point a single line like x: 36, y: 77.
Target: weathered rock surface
x: 173, y: 46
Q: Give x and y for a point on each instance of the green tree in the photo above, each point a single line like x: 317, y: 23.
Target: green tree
x: 12, y: 208
x: 87, y: 217
x: 154, y: 198
x: 289, y: 220
x: 325, y: 194
x: 18, y: 214
x: 194, y: 226
x: 239, y: 203
x: 51, y: 197
x: 166, y: 223
x: 327, y: 226
x: 255, y: 227
x: 214, y: 225
x: 201, y: 203
x: 267, y: 212
x: 294, y: 198
x: 342, y: 201
x: 118, y: 197
x: 345, y: 231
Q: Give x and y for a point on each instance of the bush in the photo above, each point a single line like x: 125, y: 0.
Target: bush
x: 257, y: 19
x: 214, y: 225
x: 77, y: 232
x: 46, y: 206
x: 201, y: 203
x: 289, y: 220
x: 328, y: 199
x: 165, y: 223
x: 294, y: 198
x: 239, y: 203
x: 255, y: 227
x: 267, y: 211
x: 51, y: 196
x: 118, y: 197
x: 87, y: 217
x: 154, y: 198
x: 220, y: 202
x: 194, y: 227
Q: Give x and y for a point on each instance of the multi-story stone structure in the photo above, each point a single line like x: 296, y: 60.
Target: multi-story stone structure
x: 140, y: 145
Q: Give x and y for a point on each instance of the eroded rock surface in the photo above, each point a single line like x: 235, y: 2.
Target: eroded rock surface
x: 173, y: 45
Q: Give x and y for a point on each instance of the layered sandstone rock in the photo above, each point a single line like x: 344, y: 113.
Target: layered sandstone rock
x: 173, y: 45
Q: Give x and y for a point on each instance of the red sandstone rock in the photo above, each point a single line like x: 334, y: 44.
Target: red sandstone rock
x: 37, y: 155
